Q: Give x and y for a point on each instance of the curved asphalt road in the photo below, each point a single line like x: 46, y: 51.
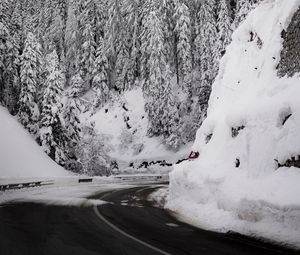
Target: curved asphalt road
x: 127, y: 225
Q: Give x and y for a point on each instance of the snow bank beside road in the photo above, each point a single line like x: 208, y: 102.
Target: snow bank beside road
x: 159, y: 197
x: 20, y: 156
x: 253, y: 122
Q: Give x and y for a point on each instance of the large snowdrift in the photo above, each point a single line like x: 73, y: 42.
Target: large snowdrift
x: 20, y: 156
x: 253, y: 124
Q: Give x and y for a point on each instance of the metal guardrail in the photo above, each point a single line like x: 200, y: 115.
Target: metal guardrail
x: 142, y: 177
x: 22, y: 185
x: 85, y: 180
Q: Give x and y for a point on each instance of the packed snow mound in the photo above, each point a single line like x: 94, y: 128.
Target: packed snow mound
x: 240, y: 182
x: 123, y: 124
x: 20, y: 156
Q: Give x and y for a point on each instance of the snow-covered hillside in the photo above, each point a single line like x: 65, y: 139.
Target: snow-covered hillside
x: 20, y: 156
x: 124, y: 124
x: 240, y: 181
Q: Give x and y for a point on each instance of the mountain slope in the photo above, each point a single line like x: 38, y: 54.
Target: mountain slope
x: 247, y: 176
x: 123, y: 125
x: 20, y: 156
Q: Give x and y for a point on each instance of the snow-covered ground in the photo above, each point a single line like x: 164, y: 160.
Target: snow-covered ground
x: 159, y: 197
x: 123, y: 124
x: 20, y: 156
x: 236, y: 183
x: 67, y: 191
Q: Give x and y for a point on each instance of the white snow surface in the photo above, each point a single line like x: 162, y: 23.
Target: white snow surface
x: 256, y: 198
x: 159, y: 197
x: 131, y: 144
x: 20, y: 156
x: 64, y: 191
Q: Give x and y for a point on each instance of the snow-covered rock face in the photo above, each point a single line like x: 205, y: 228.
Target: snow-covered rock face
x: 289, y: 57
x: 254, y: 122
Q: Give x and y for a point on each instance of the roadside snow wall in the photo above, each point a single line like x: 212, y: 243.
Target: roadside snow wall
x: 247, y: 176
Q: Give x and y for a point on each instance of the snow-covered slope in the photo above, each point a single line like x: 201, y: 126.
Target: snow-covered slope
x: 123, y: 124
x: 253, y: 122
x: 20, y: 156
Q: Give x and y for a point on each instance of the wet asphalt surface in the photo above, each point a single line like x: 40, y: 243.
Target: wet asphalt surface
x: 31, y: 228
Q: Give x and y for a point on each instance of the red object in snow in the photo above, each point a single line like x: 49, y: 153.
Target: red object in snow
x: 194, y: 155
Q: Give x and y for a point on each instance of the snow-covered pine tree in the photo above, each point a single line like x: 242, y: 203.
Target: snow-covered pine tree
x: 122, y: 66
x: 153, y: 55
x: 62, y: 9
x: 149, y: 31
x: 88, y: 54
x: 113, y: 27
x: 183, y: 40
x: 42, y: 19
x: 243, y: 7
x: 111, y: 37
x: 193, y: 7
x: 197, y: 36
x: 118, y: 47
x: 5, y: 10
x: 52, y: 133
x: 44, y: 72
x: 169, y: 114
x: 206, y: 46
x: 100, y: 80
x: 11, y: 76
x: 132, y: 10
x: 156, y: 88
x: 87, y: 26
x: 8, y: 69
x: 91, y: 153
x: 224, y: 27
x: 165, y: 9
x: 4, y: 36
x: 9, y: 57
x: 72, y: 110
x: 72, y: 40
x: 28, y: 110
x: 55, y: 29
x: 30, y: 16
x: 206, y: 59
x: 18, y: 43
x: 101, y: 14
x: 4, y: 45
x: 45, y: 31
x: 16, y: 30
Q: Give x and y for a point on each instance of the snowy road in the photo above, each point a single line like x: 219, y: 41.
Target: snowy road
x: 128, y: 224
